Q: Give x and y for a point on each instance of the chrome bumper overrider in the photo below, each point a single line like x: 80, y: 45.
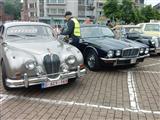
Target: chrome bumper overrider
x: 122, y: 59
x: 27, y: 81
x: 157, y: 50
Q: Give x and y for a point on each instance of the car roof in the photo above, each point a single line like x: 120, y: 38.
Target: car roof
x: 150, y: 23
x: 10, y: 24
x: 92, y: 25
x: 126, y: 26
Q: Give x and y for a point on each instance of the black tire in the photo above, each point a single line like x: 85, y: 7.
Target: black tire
x: 4, y: 77
x: 92, y: 60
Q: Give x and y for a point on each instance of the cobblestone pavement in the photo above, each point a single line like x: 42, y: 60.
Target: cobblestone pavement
x: 131, y: 93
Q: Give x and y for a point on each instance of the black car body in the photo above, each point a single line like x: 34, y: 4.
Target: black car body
x: 134, y: 33
x: 98, y: 46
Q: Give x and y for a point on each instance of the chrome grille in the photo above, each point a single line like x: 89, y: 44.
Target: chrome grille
x: 51, y: 64
x: 130, y: 52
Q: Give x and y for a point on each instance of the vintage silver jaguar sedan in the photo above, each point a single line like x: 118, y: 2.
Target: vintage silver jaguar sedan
x: 31, y: 55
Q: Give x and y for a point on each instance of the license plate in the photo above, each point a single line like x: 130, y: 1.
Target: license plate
x: 133, y: 60
x: 53, y: 83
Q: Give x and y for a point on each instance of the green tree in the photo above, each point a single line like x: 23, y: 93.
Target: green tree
x: 128, y: 13
x: 13, y: 8
x: 150, y: 13
x: 111, y: 9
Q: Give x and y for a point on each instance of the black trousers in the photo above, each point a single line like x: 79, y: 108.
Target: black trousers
x: 75, y: 41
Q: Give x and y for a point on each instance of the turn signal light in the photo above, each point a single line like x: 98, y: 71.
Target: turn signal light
x: 82, y: 66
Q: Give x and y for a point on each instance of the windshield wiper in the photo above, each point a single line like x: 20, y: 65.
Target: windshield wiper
x: 14, y: 35
x: 107, y: 36
x: 31, y: 35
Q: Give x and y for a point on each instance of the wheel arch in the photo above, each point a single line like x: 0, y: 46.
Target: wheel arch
x: 89, y: 48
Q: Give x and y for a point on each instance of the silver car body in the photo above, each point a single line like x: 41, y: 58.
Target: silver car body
x: 20, y: 52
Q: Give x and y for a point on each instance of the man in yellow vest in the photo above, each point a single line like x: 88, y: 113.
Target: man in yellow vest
x: 73, y: 29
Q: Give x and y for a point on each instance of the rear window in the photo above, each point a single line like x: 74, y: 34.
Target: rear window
x: 152, y: 27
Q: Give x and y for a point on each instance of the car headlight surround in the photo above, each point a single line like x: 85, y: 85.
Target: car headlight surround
x: 146, y: 50
x: 152, y: 42
x: 71, y: 60
x: 30, y: 64
x: 110, y: 53
x: 118, y: 52
x: 141, y: 50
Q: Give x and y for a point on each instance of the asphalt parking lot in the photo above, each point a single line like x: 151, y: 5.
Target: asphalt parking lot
x: 130, y: 93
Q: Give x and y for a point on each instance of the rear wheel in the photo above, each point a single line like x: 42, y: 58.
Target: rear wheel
x: 92, y: 60
x: 4, y: 77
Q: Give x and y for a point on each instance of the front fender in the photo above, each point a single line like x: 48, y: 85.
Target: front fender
x: 14, y: 61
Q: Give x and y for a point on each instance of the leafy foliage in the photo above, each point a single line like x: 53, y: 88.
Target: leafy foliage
x: 13, y: 8
x: 129, y: 12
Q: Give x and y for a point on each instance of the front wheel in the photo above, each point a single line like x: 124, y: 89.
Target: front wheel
x: 4, y: 77
x: 92, y: 60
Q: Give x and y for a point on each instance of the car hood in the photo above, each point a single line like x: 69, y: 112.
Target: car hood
x: 111, y: 43
x: 38, y: 46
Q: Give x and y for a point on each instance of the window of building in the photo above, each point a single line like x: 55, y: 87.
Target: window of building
x: 41, y: 1
x: 32, y: 14
x: 60, y: 1
x: 61, y: 11
x: 52, y: 1
x: 31, y: 5
x: 52, y: 11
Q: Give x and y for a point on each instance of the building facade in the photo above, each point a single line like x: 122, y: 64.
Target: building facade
x: 52, y: 11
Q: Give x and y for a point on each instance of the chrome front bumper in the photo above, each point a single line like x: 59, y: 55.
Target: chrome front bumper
x: 27, y: 81
x: 116, y: 60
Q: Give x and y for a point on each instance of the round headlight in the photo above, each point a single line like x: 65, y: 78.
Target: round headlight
x: 154, y: 41
x: 147, y: 51
x: 64, y: 67
x: 30, y: 65
x: 71, y: 60
x: 118, y: 53
x: 110, y: 53
x: 141, y: 50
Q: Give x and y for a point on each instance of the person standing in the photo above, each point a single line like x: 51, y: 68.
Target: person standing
x: 73, y: 29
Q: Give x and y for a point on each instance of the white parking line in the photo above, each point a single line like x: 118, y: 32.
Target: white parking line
x: 61, y: 102
x: 132, y: 92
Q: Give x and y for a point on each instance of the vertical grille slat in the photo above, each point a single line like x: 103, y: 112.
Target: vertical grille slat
x: 51, y: 64
x: 130, y: 52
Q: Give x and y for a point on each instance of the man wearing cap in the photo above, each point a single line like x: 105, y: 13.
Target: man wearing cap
x: 73, y: 29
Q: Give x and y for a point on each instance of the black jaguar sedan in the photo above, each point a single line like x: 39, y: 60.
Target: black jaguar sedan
x: 99, y: 47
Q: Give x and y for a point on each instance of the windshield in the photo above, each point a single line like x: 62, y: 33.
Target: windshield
x: 91, y: 32
x: 133, y: 29
x: 152, y: 27
x: 28, y: 31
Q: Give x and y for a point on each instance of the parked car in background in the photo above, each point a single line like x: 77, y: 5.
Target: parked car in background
x: 99, y: 47
x: 30, y: 55
x: 152, y: 30
x: 133, y: 32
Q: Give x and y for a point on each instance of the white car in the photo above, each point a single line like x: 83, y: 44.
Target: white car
x: 152, y: 30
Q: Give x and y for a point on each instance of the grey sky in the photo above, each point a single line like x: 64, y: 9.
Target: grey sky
x: 152, y: 2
